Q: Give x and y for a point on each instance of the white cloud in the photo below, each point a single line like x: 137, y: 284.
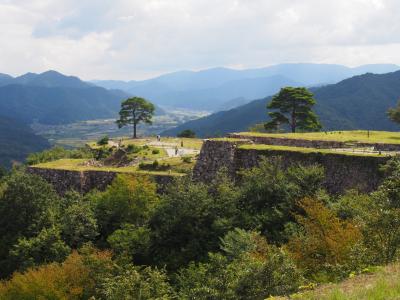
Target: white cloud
x: 132, y: 39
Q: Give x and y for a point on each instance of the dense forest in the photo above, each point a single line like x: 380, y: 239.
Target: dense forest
x: 271, y: 232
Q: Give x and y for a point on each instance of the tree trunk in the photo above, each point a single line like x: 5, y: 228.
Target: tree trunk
x: 134, y: 130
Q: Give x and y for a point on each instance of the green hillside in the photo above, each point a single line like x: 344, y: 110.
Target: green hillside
x: 16, y: 141
x: 360, y: 102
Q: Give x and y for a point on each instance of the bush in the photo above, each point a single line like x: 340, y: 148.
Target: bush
x: 56, y: 153
x: 186, y: 159
x: 187, y: 133
x: 132, y: 148
x: 254, y: 270
x: 155, y: 151
x: 326, y: 242
x: 76, y: 278
x: 103, y: 141
x: 155, y: 166
x: 129, y: 199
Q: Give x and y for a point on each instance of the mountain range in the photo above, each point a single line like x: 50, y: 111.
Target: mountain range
x: 47, y: 98
x: 211, y: 89
x: 360, y: 102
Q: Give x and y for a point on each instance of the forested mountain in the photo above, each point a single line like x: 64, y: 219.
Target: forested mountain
x: 47, y: 98
x: 58, y: 105
x: 210, y: 89
x: 46, y: 79
x: 17, y: 140
x: 53, y: 98
x: 359, y: 102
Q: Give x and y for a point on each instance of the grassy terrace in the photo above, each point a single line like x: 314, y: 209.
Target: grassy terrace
x: 148, y: 151
x: 261, y: 147
x: 187, y: 142
x: 77, y: 165
x: 341, y: 136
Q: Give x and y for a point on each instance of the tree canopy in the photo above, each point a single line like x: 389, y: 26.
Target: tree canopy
x: 293, y: 106
x: 394, y: 113
x: 134, y: 111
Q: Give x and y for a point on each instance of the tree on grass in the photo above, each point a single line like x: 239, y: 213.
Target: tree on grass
x: 134, y: 111
x: 293, y: 106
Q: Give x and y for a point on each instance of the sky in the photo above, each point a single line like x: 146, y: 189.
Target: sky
x: 133, y: 40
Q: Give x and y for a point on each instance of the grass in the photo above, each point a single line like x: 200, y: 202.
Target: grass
x: 76, y: 165
x: 262, y: 147
x: 188, y: 143
x: 178, y: 167
x: 146, y: 155
x: 381, y: 285
x: 341, y: 136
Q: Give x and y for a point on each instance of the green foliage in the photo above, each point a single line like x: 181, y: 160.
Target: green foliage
x: 132, y: 148
x: 155, y: 166
x: 28, y: 204
x: 186, y: 159
x: 255, y: 271
x: 137, y: 283
x: 189, y: 210
x: 56, y: 153
x: 394, y: 113
x: 237, y: 242
x: 294, y: 107
x: 46, y: 247
x: 78, y: 222
x: 155, y: 151
x: 269, y: 194
x: 131, y: 241
x: 187, y: 133
x: 103, y: 141
x: 128, y: 199
x: 134, y: 111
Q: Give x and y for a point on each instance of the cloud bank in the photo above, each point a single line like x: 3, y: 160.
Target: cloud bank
x: 130, y: 39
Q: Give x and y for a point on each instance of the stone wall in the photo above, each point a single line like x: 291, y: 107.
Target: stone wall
x: 342, y: 171
x: 214, y: 155
x: 319, y: 144
x: 85, y: 181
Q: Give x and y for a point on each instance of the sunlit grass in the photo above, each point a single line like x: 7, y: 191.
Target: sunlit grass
x: 382, y: 285
x: 262, y: 147
x: 342, y: 136
x: 77, y: 165
x: 189, y: 143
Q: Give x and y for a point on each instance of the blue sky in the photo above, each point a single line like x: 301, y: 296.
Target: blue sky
x: 130, y: 39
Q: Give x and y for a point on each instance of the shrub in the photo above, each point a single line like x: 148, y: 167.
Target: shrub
x: 187, y: 133
x: 129, y: 199
x: 103, y: 141
x: 254, y: 270
x: 326, y: 241
x: 137, y: 283
x: 76, y: 278
x: 155, y: 151
x: 56, y: 153
x: 186, y: 159
x: 132, y: 148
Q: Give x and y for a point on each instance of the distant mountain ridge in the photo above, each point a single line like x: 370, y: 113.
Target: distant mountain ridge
x: 359, y: 102
x: 46, y: 79
x: 53, y: 98
x: 210, y: 89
